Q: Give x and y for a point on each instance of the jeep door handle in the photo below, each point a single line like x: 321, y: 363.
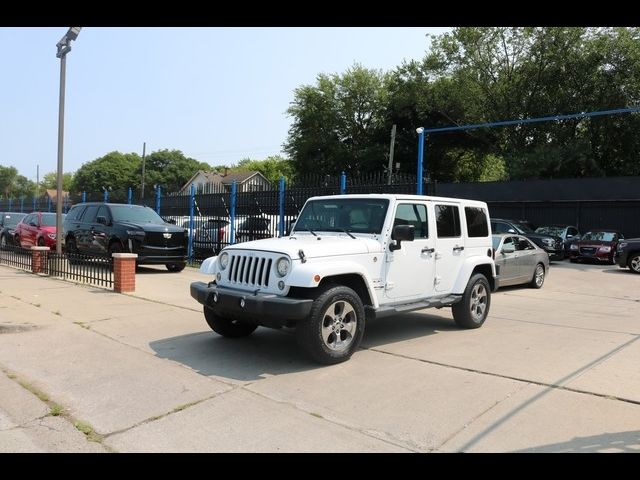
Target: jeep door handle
x: 428, y: 250
x: 458, y: 248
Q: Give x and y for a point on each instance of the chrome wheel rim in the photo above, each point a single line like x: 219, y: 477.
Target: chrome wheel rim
x: 339, y: 324
x: 635, y: 263
x: 539, y: 275
x: 479, y: 298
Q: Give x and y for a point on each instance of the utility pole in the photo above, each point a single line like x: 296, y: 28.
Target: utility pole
x: 37, y: 180
x: 144, y: 149
x: 393, y: 141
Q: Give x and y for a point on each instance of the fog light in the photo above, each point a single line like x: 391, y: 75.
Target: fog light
x: 215, y: 298
x: 242, y: 303
x: 281, y: 285
x: 218, y: 276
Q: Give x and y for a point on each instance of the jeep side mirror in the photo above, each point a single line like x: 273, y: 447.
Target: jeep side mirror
x: 101, y: 220
x: 402, y: 233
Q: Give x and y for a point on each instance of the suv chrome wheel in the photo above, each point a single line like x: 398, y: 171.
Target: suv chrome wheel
x: 634, y: 263
x: 339, y: 326
x: 478, y: 301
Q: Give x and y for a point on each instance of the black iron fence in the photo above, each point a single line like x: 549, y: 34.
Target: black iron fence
x: 90, y: 270
x: 15, y: 257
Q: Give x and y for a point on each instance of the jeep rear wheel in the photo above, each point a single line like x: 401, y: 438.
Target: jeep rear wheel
x: 634, y: 263
x: 335, y: 326
x: 472, y: 310
x: 227, y: 327
x: 176, y: 267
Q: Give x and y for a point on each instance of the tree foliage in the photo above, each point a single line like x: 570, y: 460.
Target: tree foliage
x: 272, y: 167
x: 50, y: 181
x: 474, y: 75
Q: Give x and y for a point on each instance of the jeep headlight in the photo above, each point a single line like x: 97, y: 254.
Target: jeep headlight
x: 223, y: 260
x: 282, y: 266
x: 548, y: 241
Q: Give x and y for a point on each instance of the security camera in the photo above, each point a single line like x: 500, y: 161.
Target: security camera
x: 419, y: 130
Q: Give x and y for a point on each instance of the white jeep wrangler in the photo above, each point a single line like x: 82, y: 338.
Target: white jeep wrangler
x: 350, y: 258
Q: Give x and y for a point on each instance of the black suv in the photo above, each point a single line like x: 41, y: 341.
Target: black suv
x: 107, y: 228
x: 628, y: 254
x: 551, y: 244
x: 8, y: 222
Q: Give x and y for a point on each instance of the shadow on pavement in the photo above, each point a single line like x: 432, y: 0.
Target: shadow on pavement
x: 609, y: 442
x: 406, y: 326
x: 266, y: 352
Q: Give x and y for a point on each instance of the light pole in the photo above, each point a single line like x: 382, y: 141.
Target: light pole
x: 64, y: 47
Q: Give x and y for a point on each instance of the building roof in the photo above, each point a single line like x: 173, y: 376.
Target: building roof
x: 52, y: 193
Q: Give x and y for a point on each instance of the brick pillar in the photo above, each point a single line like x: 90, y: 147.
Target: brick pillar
x: 124, y: 272
x: 39, y: 259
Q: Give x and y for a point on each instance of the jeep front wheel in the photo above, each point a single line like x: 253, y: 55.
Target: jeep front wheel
x: 472, y: 310
x: 335, y: 326
x: 228, y: 327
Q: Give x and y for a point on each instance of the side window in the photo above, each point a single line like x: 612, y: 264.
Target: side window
x: 476, y: 222
x: 447, y: 221
x: 28, y: 219
x: 413, y: 214
x: 500, y: 227
x: 523, y: 244
x: 75, y: 213
x: 508, y: 241
x: 573, y: 231
x: 103, y: 212
x: 90, y: 214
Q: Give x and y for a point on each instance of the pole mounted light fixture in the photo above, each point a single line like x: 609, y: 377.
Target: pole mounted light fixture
x: 64, y: 47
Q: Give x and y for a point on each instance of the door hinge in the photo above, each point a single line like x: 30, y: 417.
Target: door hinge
x: 390, y: 285
x: 437, y: 279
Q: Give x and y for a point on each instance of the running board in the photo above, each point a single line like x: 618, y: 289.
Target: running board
x: 388, y: 311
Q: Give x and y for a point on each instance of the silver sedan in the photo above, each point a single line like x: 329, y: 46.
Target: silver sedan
x: 518, y: 260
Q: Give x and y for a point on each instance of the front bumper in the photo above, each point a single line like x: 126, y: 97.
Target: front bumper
x: 263, y: 309
x: 554, y: 254
x: 622, y: 259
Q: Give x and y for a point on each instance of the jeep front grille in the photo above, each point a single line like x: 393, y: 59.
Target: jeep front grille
x: 249, y: 270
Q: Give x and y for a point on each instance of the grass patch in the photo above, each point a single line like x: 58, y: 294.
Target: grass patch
x: 56, y: 410
x: 314, y: 414
x: 88, y: 430
x: 82, y: 324
x: 36, y: 305
x: 57, y: 312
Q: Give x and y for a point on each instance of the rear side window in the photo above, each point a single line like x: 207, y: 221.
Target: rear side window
x: 447, y: 221
x: 476, y: 222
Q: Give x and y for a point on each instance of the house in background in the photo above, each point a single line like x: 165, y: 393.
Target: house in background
x: 50, y: 196
x: 213, y: 182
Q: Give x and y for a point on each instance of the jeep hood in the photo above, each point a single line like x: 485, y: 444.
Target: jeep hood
x: 313, y: 247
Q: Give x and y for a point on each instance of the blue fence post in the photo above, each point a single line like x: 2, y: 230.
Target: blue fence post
x: 34, y: 204
x: 281, y: 209
x: 420, y: 157
x: 158, y: 199
x: 106, y: 195
x: 48, y: 204
x: 343, y: 183
x: 192, y: 202
x: 130, y: 196
x: 66, y: 204
x: 10, y: 204
x: 22, y: 205
x: 84, y: 197
x: 232, y: 213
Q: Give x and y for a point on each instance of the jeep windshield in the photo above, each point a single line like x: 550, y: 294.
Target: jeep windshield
x: 135, y: 213
x: 355, y: 215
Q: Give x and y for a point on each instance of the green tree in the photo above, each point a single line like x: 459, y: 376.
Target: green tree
x: 8, y: 177
x: 170, y: 169
x: 115, y: 171
x: 272, y: 167
x: 335, y: 122
x: 50, y: 181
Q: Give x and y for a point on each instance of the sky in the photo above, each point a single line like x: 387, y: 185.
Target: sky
x: 217, y: 94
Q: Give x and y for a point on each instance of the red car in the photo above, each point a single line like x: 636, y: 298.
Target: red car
x: 596, y: 245
x: 37, y: 228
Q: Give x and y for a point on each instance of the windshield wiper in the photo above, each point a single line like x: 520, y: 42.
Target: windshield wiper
x: 305, y: 230
x: 338, y: 229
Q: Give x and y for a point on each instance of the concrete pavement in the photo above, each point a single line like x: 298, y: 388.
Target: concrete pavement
x: 551, y: 370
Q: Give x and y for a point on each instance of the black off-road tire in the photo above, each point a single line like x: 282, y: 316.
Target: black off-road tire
x: 175, y: 267
x: 309, y: 331
x: 228, y: 327
x: 477, y: 289
x: 536, y: 281
x: 72, y: 251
